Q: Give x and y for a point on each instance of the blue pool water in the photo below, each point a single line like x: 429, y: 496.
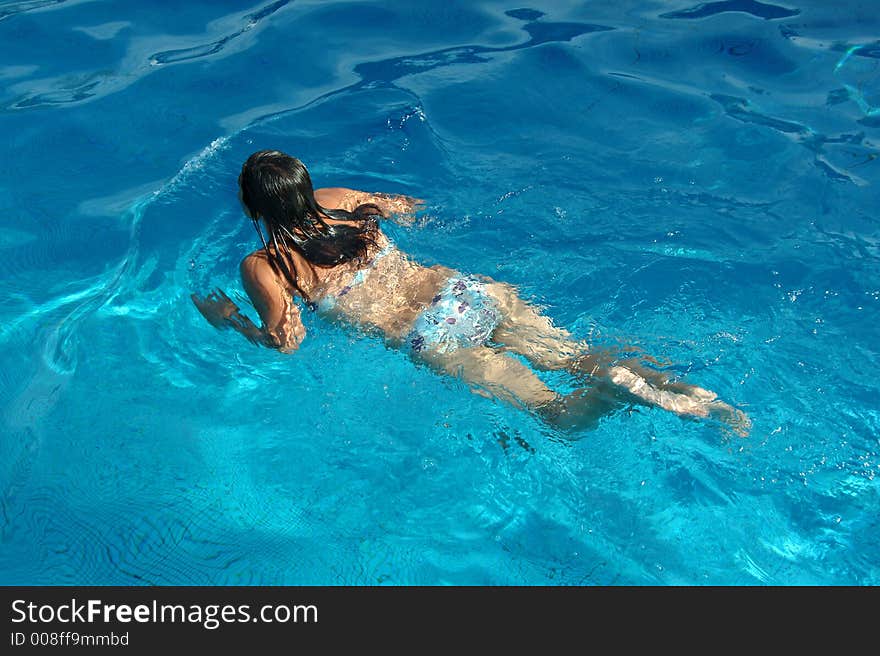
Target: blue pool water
x: 698, y: 180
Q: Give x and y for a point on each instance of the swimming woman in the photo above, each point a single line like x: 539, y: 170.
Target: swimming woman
x: 326, y: 247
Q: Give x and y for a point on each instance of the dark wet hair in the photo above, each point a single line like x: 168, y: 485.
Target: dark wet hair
x: 277, y: 188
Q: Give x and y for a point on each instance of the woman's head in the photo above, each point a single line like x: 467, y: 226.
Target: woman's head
x: 277, y: 188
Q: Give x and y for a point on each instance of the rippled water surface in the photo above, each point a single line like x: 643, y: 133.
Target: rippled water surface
x: 698, y: 180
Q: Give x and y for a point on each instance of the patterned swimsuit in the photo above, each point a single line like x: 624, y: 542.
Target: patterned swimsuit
x: 462, y: 314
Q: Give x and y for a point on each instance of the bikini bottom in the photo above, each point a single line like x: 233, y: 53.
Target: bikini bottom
x: 463, y: 314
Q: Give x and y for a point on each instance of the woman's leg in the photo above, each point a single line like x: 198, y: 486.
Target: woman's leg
x: 524, y: 330
x: 496, y: 375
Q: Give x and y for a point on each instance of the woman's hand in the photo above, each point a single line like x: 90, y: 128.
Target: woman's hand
x: 402, y: 209
x: 222, y: 313
x: 411, y: 204
x: 217, y: 308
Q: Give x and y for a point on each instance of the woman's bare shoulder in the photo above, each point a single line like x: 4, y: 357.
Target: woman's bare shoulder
x: 262, y: 284
x: 256, y: 260
x: 256, y: 268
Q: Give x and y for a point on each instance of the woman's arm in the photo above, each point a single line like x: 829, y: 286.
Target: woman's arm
x: 282, y: 322
x: 395, y: 207
x: 222, y: 313
x: 282, y: 327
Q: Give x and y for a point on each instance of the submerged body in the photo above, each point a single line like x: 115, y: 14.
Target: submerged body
x: 413, y: 307
x: 463, y: 325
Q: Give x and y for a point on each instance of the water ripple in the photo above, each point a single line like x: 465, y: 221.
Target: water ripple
x: 141, y: 60
x: 195, y: 52
x: 9, y: 9
x: 751, y: 7
x: 540, y: 33
x: 741, y: 110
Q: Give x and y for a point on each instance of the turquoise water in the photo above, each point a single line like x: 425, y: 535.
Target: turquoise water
x: 700, y: 181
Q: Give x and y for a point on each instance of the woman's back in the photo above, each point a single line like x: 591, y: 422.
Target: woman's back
x: 385, y: 290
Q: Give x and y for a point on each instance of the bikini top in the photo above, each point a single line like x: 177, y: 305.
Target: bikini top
x: 328, y: 301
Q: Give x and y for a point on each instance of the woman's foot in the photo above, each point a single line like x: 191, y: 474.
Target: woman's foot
x: 677, y: 402
x: 579, y: 410
x: 736, y: 419
x: 682, y: 399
